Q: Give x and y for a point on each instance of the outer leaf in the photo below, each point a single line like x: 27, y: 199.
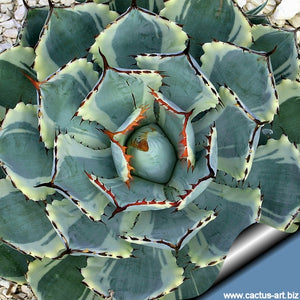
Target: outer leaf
x: 122, y: 5
x: 59, y: 279
x: 14, y: 85
x: 212, y: 243
x: 288, y: 121
x: 257, y: 9
x: 32, y: 26
x: 196, y: 280
x: 83, y: 21
x: 117, y: 94
x: 84, y: 235
x: 254, y: 86
x: 24, y: 157
x: 184, y: 82
x: 127, y: 278
x: 13, y: 264
x: 222, y: 21
x: 29, y: 231
x: 72, y: 160
x: 284, y: 60
x: 60, y: 96
x: 168, y: 228
x: 153, y: 34
x: 238, y: 134
x: 275, y: 163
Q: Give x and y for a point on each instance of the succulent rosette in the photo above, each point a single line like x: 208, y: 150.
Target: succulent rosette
x: 138, y: 139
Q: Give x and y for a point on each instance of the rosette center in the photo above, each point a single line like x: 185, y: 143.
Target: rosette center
x: 153, y: 156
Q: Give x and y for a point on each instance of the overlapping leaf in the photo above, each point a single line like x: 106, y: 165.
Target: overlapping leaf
x: 14, y: 85
x: 276, y: 162
x: 59, y: 98
x: 72, y: 160
x: 59, y: 279
x: 138, y: 31
x: 35, y: 234
x: 25, y: 158
x: 57, y: 45
x: 127, y: 278
x: 221, y: 21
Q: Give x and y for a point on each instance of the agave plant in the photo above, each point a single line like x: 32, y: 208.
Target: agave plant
x: 138, y: 139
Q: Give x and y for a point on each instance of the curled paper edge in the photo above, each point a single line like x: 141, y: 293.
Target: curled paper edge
x: 251, y: 244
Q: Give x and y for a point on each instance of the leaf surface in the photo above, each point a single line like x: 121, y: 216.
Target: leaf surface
x: 255, y: 85
x: 25, y: 159
x: 60, y: 96
x: 72, y: 160
x: 59, y: 279
x: 135, y: 32
x: 14, y: 85
x: 24, y: 224
x: 276, y: 163
x: 57, y: 45
x: 127, y: 278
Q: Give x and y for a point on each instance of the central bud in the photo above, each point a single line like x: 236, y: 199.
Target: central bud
x: 153, y: 156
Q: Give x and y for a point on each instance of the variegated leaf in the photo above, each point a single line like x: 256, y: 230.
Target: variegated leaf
x: 184, y: 82
x: 24, y: 224
x: 168, y: 228
x: 59, y: 98
x: 288, y: 121
x: 71, y: 162
x: 83, y: 21
x: 135, y: 32
x: 177, y: 125
x: 221, y: 21
x: 196, y: 280
x: 15, y: 87
x: 211, y: 245
x: 275, y: 163
x: 141, y: 195
x: 59, y: 279
x: 122, y: 5
x: 284, y: 57
x: 84, y: 236
x: 224, y: 64
x: 127, y: 278
x: 24, y: 157
x: 238, y: 134
x: 13, y: 264
x: 117, y: 94
x: 33, y: 25
x: 188, y: 183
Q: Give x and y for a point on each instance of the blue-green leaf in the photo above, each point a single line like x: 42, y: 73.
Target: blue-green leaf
x: 24, y: 224
x: 72, y: 161
x: 84, y: 236
x: 220, y: 20
x: 25, y: 158
x: 13, y: 264
x: 58, y: 46
x: 284, y: 59
x: 135, y: 32
x: 127, y: 278
x: 59, y: 279
x: 224, y: 64
x: 15, y: 87
x: 59, y: 98
x: 276, y: 169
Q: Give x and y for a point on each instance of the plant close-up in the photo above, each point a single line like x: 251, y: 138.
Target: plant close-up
x: 138, y: 139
